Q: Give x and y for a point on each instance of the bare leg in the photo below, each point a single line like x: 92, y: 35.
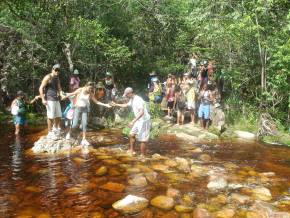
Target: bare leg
x: 192, y: 116
x: 57, y: 122
x: 132, y: 143
x: 178, y: 117
x: 84, y: 135
x: 143, y: 148
x: 17, y: 129
x: 49, y: 124
x: 182, y: 118
x: 201, y: 122
x: 206, y: 124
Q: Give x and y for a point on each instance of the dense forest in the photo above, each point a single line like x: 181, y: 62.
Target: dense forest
x: 248, y: 40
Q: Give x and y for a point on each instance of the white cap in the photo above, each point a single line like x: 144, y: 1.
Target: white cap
x: 76, y: 72
x: 127, y: 91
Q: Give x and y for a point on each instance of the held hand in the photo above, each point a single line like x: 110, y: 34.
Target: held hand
x: 131, y: 124
x: 108, y: 105
x: 113, y: 104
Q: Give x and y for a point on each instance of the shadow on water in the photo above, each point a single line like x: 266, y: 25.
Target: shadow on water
x: 67, y: 185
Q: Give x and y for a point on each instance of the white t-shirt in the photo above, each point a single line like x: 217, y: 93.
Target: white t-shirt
x: 137, y: 103
x: 192, y: 61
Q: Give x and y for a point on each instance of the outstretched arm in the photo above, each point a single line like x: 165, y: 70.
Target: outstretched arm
x: 35, y: 99
x: 119, y: 105
x: 99, y: 103
x: 76, y: 92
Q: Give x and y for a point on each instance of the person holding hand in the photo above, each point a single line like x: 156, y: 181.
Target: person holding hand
x: 140, y: 125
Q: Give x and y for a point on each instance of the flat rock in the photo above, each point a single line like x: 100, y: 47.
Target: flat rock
x: 138, y: 180
x: 217, y: 184
x: 114, y: 187
x: 159, y: 167
x: 162, y: 202
x: 245, y: 135
x: 131, y: 204
x: 45, y: 145
x: 183, y: 209
x: 101, y: 171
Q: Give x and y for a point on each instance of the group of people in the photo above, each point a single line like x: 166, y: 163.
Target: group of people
x: 196, y: 91
x: 80, y: 98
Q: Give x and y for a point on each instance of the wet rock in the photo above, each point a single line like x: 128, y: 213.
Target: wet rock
x: 114, y: 172
x: 133, y: 170
x: 220, y: 199
x: 183, y: 209
x: 183, y: 164
x: 225, y: 213
x: 34, y: 189
x: 114, y: 187
x: 173, y: 193
x: 241, y: 199
x: 111, y: 161
x: 158, y: 157
x: 159, y: 167
x: 205, y: 157
x: 262, y: 193
x: 198, y: 171
x: 144, y: 169
x: 131, y: 204
x: 45, y: 145
x: 187, y: 137
x: 170, y: 163
x: 162, y: 202
x: 104, y: 157
x: 138, y: 180
x: 201, y: 213
x: 97, y: 215
x: 235, y: 185
x: 245, y: 135
x: 217, y: 184
x: 79, y: 160
x: 43, y: 215
x: 101, y: 171
x: 208, y: 136
x: 263, y: 209
x: 151, y: 177
x: 177, y: 177
x: 188, y: 199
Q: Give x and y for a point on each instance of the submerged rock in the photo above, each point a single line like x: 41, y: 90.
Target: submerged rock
x: 114, y: 187
x: 217, y: 184
x: 162, y: 202
x: 102, y: 171
x: 262, y: 193
x: 46, y: 145
x: 241, y: 199
x: 225, y: 213
x: 183, y: 209
x: 173, y: 193
x: 201, y: 213
x: 131, y: 204
x: 138, y: 180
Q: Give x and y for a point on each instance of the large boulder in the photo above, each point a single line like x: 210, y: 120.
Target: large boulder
x: 245, y: 135
x: 46, y: 145
x: 131, y: 204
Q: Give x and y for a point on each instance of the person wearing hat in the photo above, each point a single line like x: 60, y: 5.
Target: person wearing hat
x: 18, y: 110
x: 50, y: 92
x: 140, y: 125
x: 74, y: 82
x: 82, y: 107
x: 100, y: 90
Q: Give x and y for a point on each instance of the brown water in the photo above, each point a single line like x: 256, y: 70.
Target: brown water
x: 67, y: 185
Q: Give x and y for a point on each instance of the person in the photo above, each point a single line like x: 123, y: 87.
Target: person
x: 100, y: 91
x: 155, y: 95
x: 190, y: 96
x: 74, y: 83
x: 140, y: 125
x: 110, y: 86
x: 180, y: 105
x: 18, y: 110
x: 210, y: 70
x: 205, y: 97
x: 170, y: 96
x: 203, y: 73
x: 50, y: 91
x: 82, y: 107
x: 192, y: 63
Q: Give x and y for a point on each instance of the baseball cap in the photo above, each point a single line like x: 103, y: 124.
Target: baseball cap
x: 20, y: 93
x: 127, y: 91
x: 108, y: 74
x: 56, y: 66
x: 76, y: 72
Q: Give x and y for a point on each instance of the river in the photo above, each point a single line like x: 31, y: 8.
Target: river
x: 70, y: 185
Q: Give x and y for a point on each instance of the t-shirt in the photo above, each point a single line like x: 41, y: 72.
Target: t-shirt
x: 137, y: 103
x: 192, y: 62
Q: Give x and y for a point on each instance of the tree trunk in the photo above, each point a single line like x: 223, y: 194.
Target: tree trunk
x: 68, y: 55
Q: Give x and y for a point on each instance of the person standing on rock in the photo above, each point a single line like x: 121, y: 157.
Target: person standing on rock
x: 50, y: 92
x: 74, y: 82
x: 82, y: 107
x: 140, y: 125
x: 205, y: 97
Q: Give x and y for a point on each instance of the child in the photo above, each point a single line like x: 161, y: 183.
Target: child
x: 19, y: 109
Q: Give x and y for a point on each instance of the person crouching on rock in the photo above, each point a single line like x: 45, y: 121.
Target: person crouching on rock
x: 82, y: 107
x: 140, y: 124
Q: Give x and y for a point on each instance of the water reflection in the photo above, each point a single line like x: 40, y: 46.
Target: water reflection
x: 16, y: 159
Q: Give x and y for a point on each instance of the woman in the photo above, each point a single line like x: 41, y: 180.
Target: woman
x: 82, y: 107
x: 190, y: 96
x: 170, y: 95
x: 180, y: 105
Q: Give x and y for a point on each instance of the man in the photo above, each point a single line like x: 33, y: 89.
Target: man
x: 74, y: 83
x: 110, y: 86
x: 140, y: 124
x: 50, y: 91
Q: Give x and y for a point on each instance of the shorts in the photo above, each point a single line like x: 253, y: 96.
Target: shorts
x: 141, y: 129
x: 204, y: 111
x: 170, y: 104
x: 21, y: 120
x: 191, y: 105
x: 53, y: 109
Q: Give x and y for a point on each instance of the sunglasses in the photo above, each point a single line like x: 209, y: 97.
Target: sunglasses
x: 57, y: 70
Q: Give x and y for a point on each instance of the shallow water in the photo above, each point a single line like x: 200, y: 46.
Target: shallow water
x: 67, y: 185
